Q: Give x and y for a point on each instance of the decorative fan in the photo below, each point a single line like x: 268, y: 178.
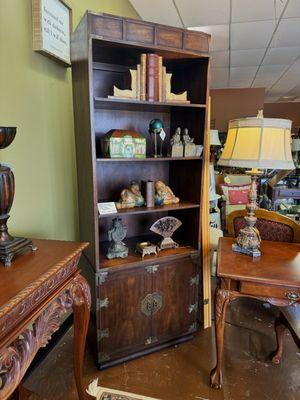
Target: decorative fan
x: 166, y: 227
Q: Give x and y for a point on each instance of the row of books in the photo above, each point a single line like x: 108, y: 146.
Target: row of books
x: 150, y: 82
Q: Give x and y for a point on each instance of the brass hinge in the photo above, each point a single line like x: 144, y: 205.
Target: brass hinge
x: 192, y: 328
x: 151, y: 340
x: 194, y: 280
x: 151, y: 269
x: 102, y: 276
x: 193, y: 308
x: 102, y: 303
x: 104, y: 333
x: 103, y: 357
x: 206, y: 301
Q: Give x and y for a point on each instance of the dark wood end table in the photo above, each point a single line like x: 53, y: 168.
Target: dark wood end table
x: 35, y: 293
x: 274, y: 278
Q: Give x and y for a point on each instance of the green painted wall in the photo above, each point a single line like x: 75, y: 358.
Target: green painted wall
x: 36, y: 96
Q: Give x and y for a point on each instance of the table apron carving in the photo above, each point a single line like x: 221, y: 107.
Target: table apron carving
x: 17, y: 356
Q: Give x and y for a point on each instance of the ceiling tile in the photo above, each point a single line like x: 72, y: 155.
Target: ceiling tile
x: 289, y: 82
x: 241, y: 76
x: 254, y: 10
x: 251, y: 35
x: 162, y: 12
x: 288, y: 33
x: 267, y: 75
x: 219, y: 78
x: 271, y: 99
x: 219, y: 58
x: 293, y: 9
x: 203, y: 12
x: 219, y: 36
x: 281, y: 55
x: 246, y: 58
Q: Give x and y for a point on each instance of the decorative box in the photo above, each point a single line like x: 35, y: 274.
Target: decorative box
x: 122, y: 143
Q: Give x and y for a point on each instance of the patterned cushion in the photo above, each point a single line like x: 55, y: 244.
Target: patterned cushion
x: 269, y: 230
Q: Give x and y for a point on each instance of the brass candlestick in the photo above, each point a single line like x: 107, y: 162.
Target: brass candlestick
x: 9, y: 246
x: 248, y: 240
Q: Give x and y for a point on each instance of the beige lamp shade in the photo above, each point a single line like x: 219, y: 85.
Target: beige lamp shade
x: 214, y: 138
x: 262, y: 143
x: 296, y: 145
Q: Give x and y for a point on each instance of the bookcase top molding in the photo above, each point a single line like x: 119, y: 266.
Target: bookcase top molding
x: 146, y: 34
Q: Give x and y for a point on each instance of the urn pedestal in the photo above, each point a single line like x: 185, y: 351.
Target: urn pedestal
x: 9, y: 246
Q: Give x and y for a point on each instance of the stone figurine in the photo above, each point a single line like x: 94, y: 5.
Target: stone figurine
x: 131, y: 197
x: 116, y: 235
x: 176, y: 146
x: 164, y: 194
x: 189, y: 145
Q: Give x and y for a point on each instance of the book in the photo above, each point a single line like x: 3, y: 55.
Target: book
x: 138, y: 82
x: 164, y: 72
x: 143, y: 78
x: 160, y: 79
x: 152, y: 77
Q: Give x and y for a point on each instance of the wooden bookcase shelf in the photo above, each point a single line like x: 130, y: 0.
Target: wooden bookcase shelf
x: 149, y: 159
x: 183, y: 205
x: 135, y: 259
x: 104, y: 47
x: 124, y: 104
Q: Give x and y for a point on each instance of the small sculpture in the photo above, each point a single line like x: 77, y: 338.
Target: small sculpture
x: 116, y: 235
x: 164, y: 194
x: 146, y: 248
x: 156, y: 128
x: 189, y: 145
x: 131, y: 197
x: 166, y: 227
x: 176, y: 146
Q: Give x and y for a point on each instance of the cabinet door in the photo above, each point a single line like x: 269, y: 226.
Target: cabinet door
x: 177, y: 283
x: 122, y: 327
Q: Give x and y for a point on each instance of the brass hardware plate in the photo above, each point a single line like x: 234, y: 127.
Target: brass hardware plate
x: 102, y: 276
x: 103, y: 357
x: 195, y: 280
x: 151, y: 340
x: 151, y: 269
x: 193, y: 308
x: 103, y: 333
x: 151, y: 304
x: 192, y: 328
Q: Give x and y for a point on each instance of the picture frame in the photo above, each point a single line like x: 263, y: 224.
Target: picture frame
x: 52, y: 28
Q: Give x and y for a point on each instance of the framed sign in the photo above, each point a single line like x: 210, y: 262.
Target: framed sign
x: 52, y: 26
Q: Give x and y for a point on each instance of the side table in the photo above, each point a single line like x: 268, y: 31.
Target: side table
x: 274, y: 278
x: 35, y: 293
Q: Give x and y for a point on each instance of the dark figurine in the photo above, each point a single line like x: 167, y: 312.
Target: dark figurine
x: 116, y: 235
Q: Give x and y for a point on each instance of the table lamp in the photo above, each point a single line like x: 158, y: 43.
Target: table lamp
x: 296, y: 149
x: 9, y: 246
x: 256, y: 143
x: 214, y: 138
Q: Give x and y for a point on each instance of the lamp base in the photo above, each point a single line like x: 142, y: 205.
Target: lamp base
x: 11, y: 248
x: 250, y: 252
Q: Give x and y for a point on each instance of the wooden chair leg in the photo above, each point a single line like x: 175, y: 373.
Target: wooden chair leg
x: 279, y: 329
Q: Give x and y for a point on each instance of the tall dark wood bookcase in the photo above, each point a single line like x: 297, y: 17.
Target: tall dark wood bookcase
x: 139, y: 306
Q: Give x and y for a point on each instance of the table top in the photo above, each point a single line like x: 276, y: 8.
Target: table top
x: 279, y: 263
x: 35, y: 267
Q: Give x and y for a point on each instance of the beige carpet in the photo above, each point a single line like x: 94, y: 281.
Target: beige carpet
x: 101, y: 393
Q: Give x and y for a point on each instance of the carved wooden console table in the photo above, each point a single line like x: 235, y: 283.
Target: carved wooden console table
x: 274, y: 278
x: 35, y: 292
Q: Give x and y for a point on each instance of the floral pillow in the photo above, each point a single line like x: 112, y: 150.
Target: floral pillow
x: 236, y: 194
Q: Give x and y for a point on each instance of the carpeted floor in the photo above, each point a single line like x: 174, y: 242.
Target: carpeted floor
x: 182, y: 372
